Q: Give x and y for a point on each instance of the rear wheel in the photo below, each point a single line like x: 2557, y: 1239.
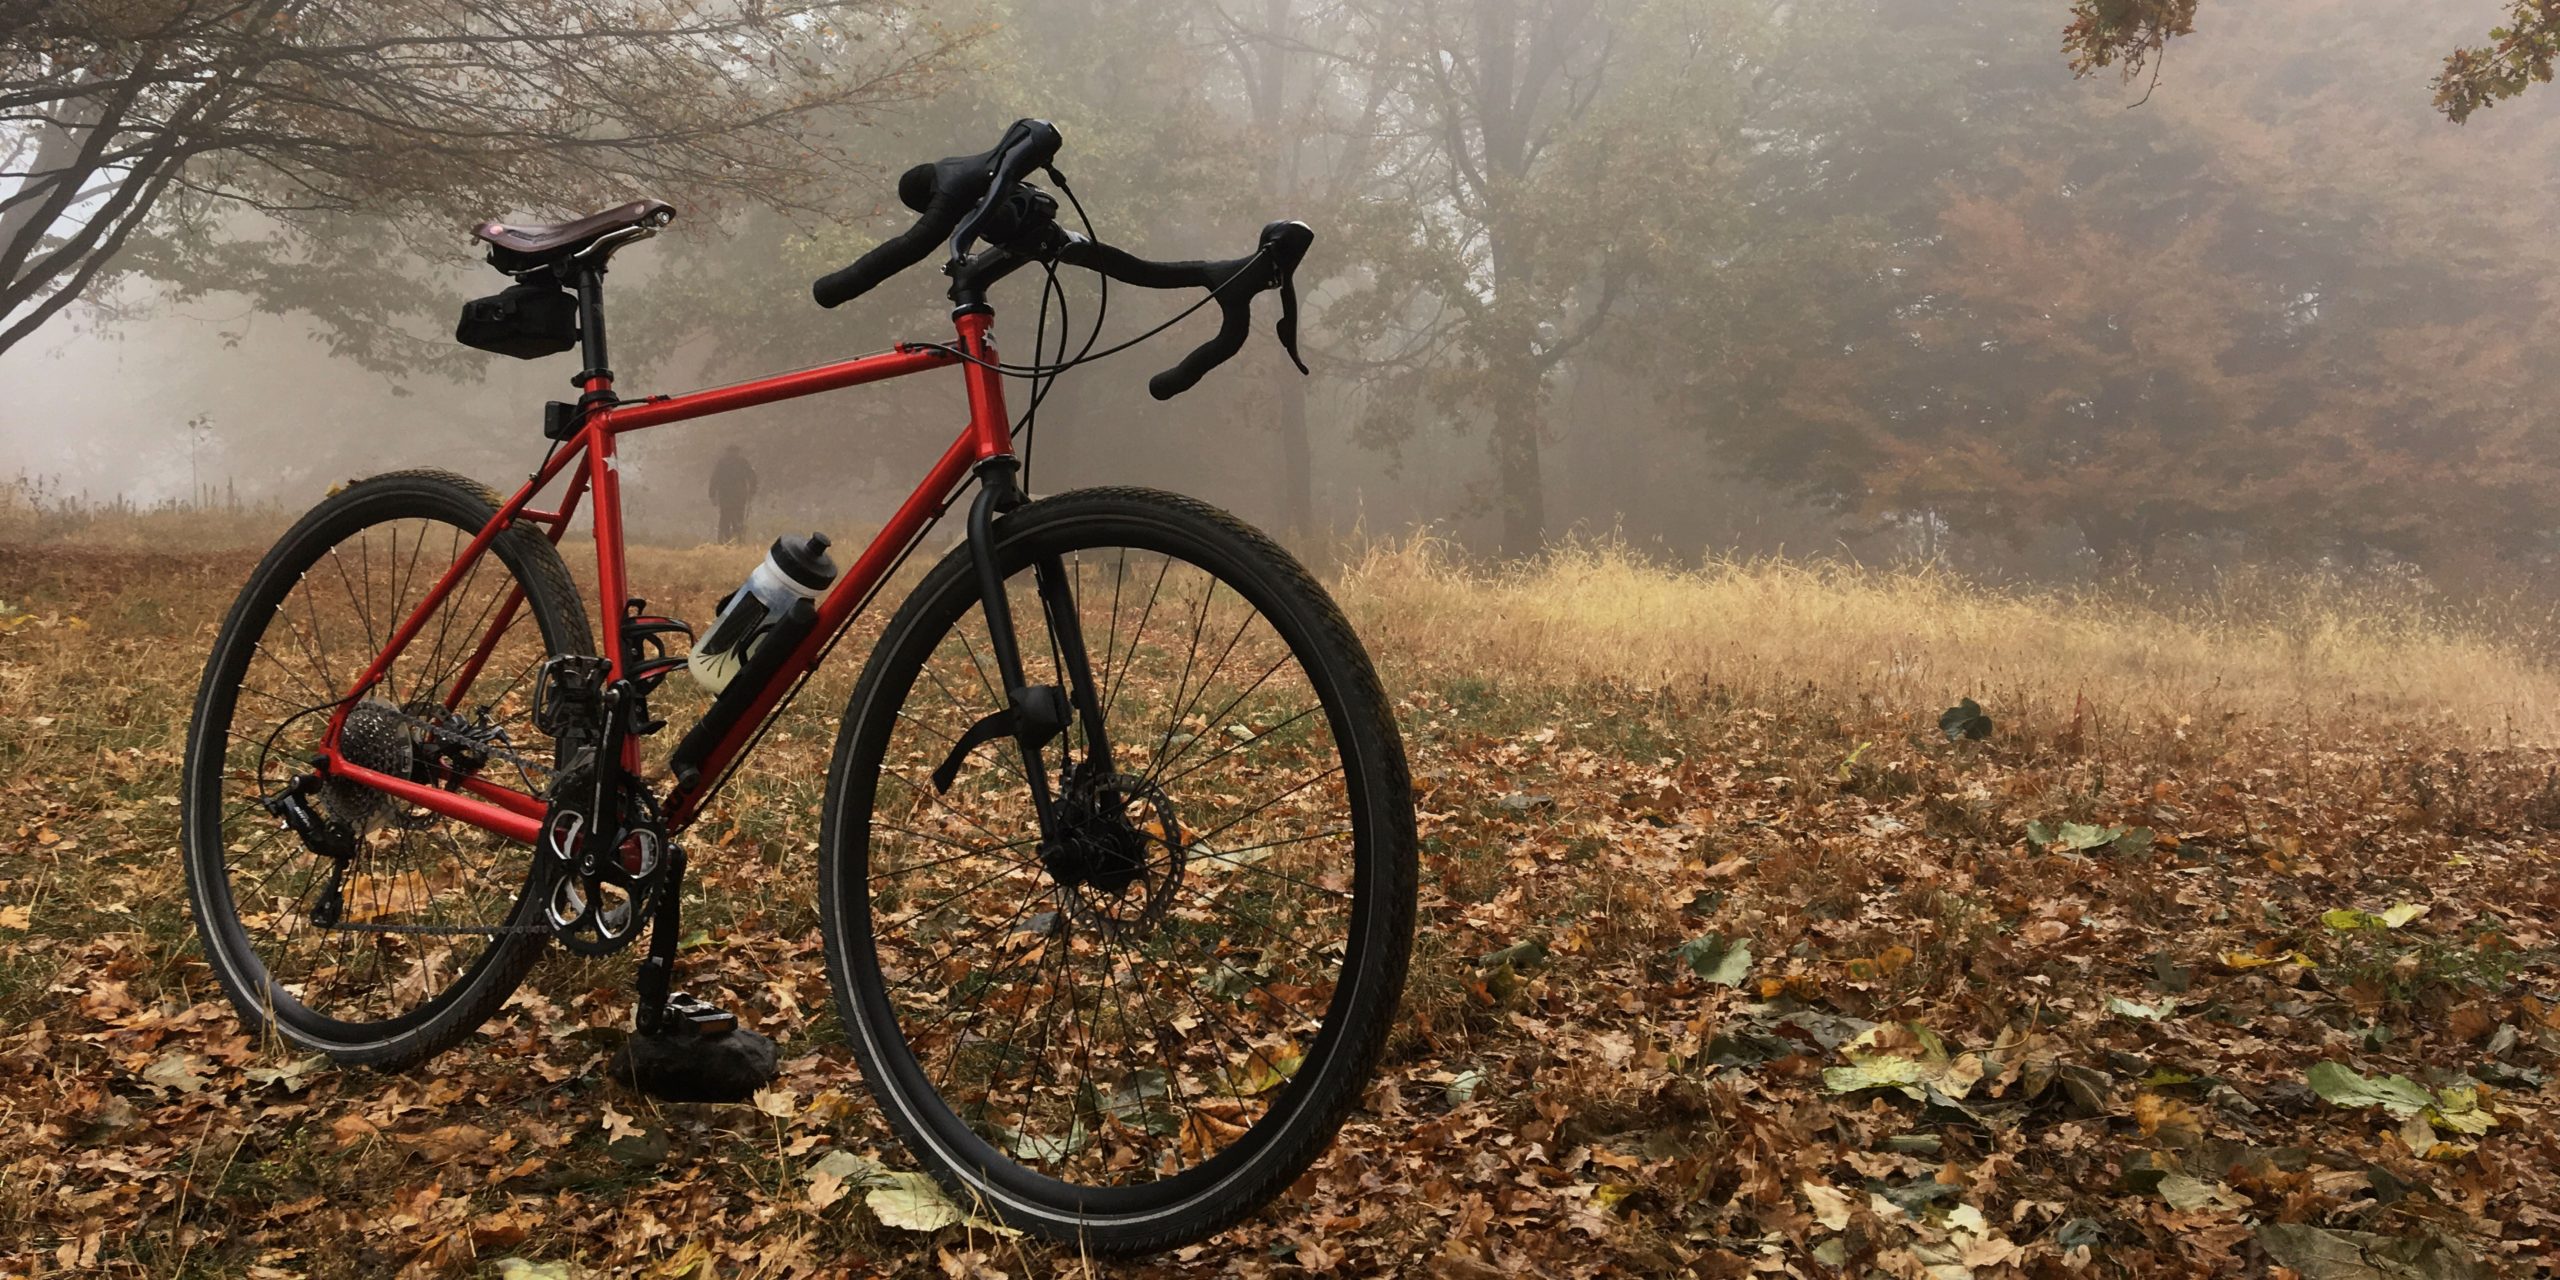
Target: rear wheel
x: 414, y: 931
x: 1143, y: 1031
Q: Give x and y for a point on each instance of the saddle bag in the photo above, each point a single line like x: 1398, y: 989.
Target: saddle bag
x: 526, y: 321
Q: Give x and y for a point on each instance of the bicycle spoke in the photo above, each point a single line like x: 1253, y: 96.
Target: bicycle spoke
x: 1111, y: 694
x: 1266, y: 735
x: 1146, y: 1024
x: 422, y: 897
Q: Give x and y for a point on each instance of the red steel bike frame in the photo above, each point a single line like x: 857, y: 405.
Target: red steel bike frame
x: 518, y: 815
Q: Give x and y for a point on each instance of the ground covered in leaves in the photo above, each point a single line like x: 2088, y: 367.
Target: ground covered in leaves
x: 1709, y: 983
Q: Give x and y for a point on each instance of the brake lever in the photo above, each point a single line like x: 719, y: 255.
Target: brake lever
x: 1028, y: 145
x: 1283, y: 246
x: 1287, y: 242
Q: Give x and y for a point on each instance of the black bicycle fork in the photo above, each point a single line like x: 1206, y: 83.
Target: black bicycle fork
x: 1033, y: 715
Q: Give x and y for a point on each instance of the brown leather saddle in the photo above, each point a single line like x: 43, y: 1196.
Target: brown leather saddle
x: 515, y: 248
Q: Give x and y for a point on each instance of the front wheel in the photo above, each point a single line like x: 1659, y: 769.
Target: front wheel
x: 1142, y: 1030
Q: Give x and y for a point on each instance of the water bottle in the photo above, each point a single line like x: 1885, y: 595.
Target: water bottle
x: 794, y: 569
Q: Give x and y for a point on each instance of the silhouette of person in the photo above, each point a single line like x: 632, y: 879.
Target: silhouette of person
x: 733, y: 486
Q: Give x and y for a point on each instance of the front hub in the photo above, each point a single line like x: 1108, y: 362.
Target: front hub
x: 1117, y: 853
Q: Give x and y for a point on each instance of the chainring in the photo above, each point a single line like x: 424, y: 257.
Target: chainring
x: 599, y: 896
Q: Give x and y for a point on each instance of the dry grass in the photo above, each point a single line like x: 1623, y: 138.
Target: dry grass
x: 33, y: 516
x: 2280, y: 652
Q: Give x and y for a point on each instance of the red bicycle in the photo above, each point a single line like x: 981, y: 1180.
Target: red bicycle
x: 1116, y: 929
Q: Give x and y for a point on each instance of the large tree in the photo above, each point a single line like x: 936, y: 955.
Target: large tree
x: 1494, y: 269
x: 125, y: 122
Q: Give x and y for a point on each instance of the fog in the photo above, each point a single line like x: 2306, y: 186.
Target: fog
x: 1881, y: 280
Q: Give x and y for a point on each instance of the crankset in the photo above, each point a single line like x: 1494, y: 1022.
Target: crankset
x: 602, y: 889
x: 602, y: 836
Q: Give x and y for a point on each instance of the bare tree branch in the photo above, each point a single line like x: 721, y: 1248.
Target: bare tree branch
x: 442, y: 110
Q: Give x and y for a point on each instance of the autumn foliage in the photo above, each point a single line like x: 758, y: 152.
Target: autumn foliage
x: 2232, y: 945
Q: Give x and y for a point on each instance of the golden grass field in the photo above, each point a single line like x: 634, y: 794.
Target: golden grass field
x: 2094, y: 1050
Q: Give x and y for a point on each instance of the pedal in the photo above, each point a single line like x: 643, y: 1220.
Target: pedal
x: 700, y: 1054
x: 565, y: 692
x: 701, y: 1016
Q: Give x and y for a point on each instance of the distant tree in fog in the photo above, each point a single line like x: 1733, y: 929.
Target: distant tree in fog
x: 2268, y: 312
x: 134, y: 126
x: 1506, y: 258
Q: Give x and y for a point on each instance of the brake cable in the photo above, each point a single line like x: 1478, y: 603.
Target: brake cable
x: 1025, y: 428
x: 1043, y: 374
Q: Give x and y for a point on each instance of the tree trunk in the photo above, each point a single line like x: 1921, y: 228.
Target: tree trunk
x: 1270, y: 100
x: 55, y: 148
x: 1518, y: 386
x: 57, y: 165
x: 2119, y: 540
x: 1519, y: 489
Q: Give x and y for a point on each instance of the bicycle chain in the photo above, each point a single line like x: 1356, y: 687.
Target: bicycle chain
x: 439, y: 930
x: 525, y: 766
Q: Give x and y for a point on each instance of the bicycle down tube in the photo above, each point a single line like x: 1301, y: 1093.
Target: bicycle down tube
x: 518, y: 816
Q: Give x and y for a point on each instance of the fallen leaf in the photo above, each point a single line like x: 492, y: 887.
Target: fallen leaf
x: 2339, y: 1084
x: 1830, y: 1205
x: 1715, y: 960
x: 2187, y: 1193
x: 2319, y: 1254
x: 2147, y: 1013
x: 2345, y: 918
x: 521, y: 1269
x: 915, y: 1202
x: 176, y: 1069
x: 292, y: 1077
x: 1462, y: 1087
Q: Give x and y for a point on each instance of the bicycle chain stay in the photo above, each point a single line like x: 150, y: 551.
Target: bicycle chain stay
x: 581, y: 723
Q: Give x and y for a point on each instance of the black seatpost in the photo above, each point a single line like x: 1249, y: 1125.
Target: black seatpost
x: 591, y: 342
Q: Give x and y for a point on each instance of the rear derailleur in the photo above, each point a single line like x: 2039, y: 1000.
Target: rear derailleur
x: 420, y: 742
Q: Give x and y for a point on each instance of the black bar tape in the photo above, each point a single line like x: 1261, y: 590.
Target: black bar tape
x: 891, y: 256
x: 1238, y: 306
